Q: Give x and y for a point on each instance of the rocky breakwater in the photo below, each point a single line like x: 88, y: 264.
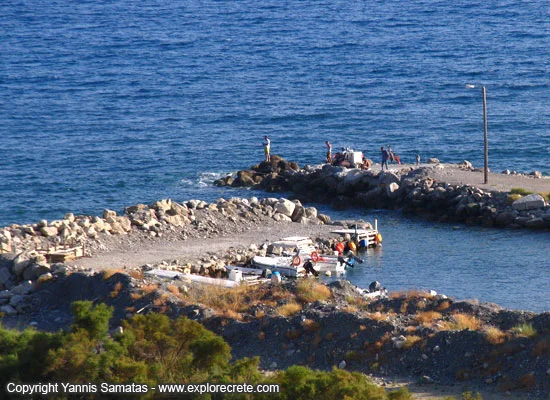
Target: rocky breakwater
x: 412, y: 189
x: 26, y: 255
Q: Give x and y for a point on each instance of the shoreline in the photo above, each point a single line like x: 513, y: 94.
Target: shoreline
x: 198, y: 236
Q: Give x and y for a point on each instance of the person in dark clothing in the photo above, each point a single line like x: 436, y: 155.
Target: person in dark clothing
x: 308, y: 266
x: 385, y: 157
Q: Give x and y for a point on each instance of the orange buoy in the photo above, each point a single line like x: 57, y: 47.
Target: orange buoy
x: 378, y: 238
x: 296, y: 260
x: 315, y: 256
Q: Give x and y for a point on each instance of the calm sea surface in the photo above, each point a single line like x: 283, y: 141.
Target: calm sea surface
x: 107, y: 104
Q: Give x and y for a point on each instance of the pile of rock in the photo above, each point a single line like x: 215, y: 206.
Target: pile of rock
x: 21, y: 274
x: 23, y: 256
x: 411, y: 189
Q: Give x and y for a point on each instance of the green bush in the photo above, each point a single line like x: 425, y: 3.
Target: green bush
x: 520, y: 191
x: 154, y: 349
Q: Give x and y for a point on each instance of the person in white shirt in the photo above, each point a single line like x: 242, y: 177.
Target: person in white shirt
x: 267, y: 149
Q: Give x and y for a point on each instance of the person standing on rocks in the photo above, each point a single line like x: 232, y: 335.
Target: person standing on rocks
x: 329, y: 152
x: 391, y: 157
x: 267, y: 148
x: 418, y: 159
x: 385, y: 157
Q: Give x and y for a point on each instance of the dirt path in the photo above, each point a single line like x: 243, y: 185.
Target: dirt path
x: 452, y: 174
x: 134, y: 252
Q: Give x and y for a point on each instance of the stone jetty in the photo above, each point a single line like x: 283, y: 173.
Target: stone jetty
x: 417, y: 190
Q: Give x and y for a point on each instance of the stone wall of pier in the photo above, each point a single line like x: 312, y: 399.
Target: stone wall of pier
x: 410, y: 189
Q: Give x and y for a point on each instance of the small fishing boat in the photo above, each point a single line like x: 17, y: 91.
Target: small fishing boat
x: 290, y: 255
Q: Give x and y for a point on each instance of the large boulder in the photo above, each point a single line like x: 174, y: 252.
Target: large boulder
x: 20, y: 263
x: 505, y: 218
x: 529, y: 202
x: 109, y: 215
x: 49, y: 231
x: 385, y: 178
x: 285, y: 207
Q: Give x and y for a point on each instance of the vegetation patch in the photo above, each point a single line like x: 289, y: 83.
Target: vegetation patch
x: 410, y: 341
x: 494, y: 335
x: 309, y: 290
x: 460, y: 322
x: 520, y: 191
x: 289, y: 309
x: 524, y: 330
x: 427, y: 318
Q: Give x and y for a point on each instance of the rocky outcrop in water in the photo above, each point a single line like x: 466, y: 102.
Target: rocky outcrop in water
x: 411, y: 189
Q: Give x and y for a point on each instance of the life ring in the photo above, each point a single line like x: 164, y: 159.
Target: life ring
x: 378, y: 238
x: 296, y: 260
x: 315, y: 256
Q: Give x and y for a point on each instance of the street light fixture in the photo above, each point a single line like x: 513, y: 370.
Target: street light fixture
x: 485, y: 142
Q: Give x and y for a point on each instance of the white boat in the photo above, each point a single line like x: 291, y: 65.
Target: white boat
x: 283, y: 264
x: 289, y: 255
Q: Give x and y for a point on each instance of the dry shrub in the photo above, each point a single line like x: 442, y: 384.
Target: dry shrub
x: 350, y: 309
x: 110, y: 272
x: 261, y: 335
x: 231, y: 314
x: 136, y: 274
x: 286, y: 310
x: 411, y: 329
x: 309, y: 290
x: 116, y: 290
x: 443, y: 305
x: 130, y: 309
x: 494, y: 335
x: 460, y: 322
x: 161, y: 300
x: 362, y: 327
x: 146, y: 289
x: 353, y: 335
x: 427, y: 318
x: 542, y: 347
x: 136, y: 295
x: 410, y: 341
x: 259, y: 313
x: 356, y: 301
x: 173, y: 289
x: 310, y: 325
x: 403, y: 308
x: 377, y: 316
x: 220, y: 298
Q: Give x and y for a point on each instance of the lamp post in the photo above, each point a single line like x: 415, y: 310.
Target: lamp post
x: 485, y: 141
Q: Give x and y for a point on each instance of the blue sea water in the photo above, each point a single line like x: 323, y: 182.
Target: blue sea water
x: 108, y: 104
